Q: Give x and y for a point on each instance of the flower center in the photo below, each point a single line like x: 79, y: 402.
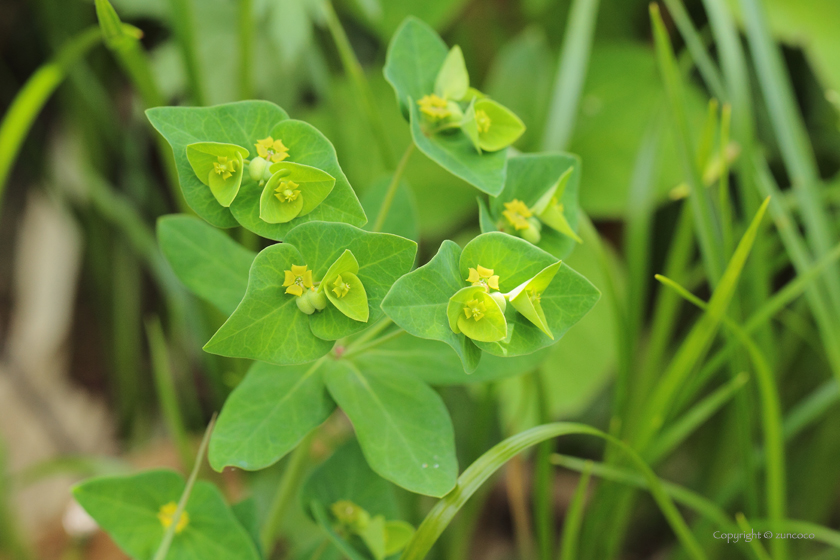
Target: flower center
x: 297, y: 280
x: 166, y: 514
x: 482, y: 121
x: 224, y: 167
x: 434, y: 106
x: 340, y: 287
x: 481, y: 276
x: 286, y: 191
x: 271, y: 149
x: 475, y: 309
x: 517, y: 214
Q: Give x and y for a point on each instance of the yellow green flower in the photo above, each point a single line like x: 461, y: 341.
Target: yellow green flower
x: 340, y: 287
x: 434, y: 106
x: 224, y: 167
x: 297, y: 279
x: 482, y: 121
x: 167, y: 513
x: 481, y: 276
x: 271, y: 149
x: 477, y: 314
x: 475, y: 309
x: 286, y: 191
x: 517, y: 214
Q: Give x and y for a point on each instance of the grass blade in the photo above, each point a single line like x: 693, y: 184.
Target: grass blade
x: 574, y: 516
x: 477, y: 473
x: 183, y: 23
x: 31, y: 98
x: 756, y: 548
x: 571, y: 74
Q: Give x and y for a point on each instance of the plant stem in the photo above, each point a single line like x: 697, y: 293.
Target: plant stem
x: 574, y: 517
x: 31, y: 98
x: 360, y: 83
x: 246, y: 25
x: 515, y: 484
x: 392, y: 188
x: 183, y: 24
x: 185, y: 495
x: 378, y: 342
x: 285, y: 492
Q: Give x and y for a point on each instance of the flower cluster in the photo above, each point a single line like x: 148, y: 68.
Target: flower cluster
x: 340, y: 286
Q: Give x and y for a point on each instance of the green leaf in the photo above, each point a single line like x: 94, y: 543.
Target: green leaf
x: 267, y: 415
x: 486, y: 322
x: 529, y: 178
x: 209, y: 263
x: 347, y: 476
x: 432, y: 362
x: 127, y: 508
x: 382, y: 259
x: 469, y: 126
x: 348, y: 295
x: 307, y: 146
x: 402, y: 219
x: 402, y: 425
x: 415, y: 56
x: 313, y: 185
x: 526, y: 297
x: 454, y: 152
x: 452, y: 80
x: 418, y: 303
x: 268, y: 325
x: 567, y: 299
x: 397, y: 536
x: 505, y: 127
x: 345, y: 263
x: 205, y: 157
x: 245, y: 512
x: 241, y: 123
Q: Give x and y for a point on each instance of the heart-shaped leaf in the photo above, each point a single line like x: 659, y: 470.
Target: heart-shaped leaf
x: 498, y: 126
x: 402, y: 426
x: 419, y: 300
x: 268, y: 414
x: 452, y: 80
x: 382, y: 258
x: 209, y: 263
x: 454, y: 152
x: 130, y: 508
x: 529, y: 178
x: 267, y: 325
x: 219, y: 166
x: 307, y: 146
x: 241, y: 124
x: 415, y: 56
x: 565, y: 301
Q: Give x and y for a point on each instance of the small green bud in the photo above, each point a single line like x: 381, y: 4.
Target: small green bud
x: 532, y: 232
x: 318, y: 299
x: 257, y: 168
x: 500, y: 299
x: 304, y: 303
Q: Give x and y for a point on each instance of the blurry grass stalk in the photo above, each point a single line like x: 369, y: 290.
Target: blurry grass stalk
x: 360, y: 84
x: 755, y: 545
x: 542, y: 491
x: 166, y: 390
x: 571, y: 74
x: 771, y: 417
x: 478, y: 472
x: 574, y: 517
x: 246, y: 47
x: 183, y: 23
x: 125, y: 326
x: 11, y: 543
x: 32, y: 97
x: 124, y: 42
x: 392, y: 188
x: 163, y: 549
x: 517, y: 497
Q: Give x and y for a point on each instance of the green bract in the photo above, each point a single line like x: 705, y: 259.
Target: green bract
x: 543, y: 187
x: 478, y: 315
x: 429, y: 83
x: 420, y: 301
x: 220, y: 167
x: 134, y: 510
x: 242, y: 127
x: 293, y: 190
x: 268, y: 324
